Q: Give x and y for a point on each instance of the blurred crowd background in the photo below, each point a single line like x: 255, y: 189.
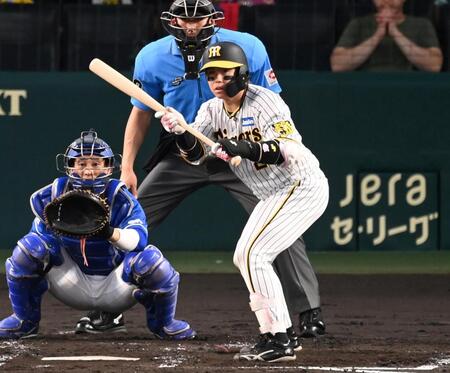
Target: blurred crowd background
x: 64, y: 35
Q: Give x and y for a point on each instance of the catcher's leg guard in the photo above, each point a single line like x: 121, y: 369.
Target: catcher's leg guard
x: 24, y: 274
x: 158, y: 290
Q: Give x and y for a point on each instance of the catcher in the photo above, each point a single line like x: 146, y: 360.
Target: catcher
x: 87, y: 246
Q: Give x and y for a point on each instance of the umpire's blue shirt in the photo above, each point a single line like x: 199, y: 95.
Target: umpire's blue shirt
x: 159, y: 70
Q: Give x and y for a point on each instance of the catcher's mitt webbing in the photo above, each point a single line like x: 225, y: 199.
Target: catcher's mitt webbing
x: 78, y: 213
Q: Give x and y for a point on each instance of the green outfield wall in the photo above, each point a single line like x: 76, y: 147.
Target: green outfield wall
x: 382, y: 139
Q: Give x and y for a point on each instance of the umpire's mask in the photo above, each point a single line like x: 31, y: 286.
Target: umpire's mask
x: 191, y: 47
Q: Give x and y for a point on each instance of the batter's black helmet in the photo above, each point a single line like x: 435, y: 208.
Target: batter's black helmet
x: 190, y: 9
x: 227, y: 55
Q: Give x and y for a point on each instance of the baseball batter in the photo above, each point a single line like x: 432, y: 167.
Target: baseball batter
x: 111, y: 271
x: 168, y: 69
x: 252, y: 122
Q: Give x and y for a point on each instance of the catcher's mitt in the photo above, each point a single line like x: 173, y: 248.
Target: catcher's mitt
x: 78, y: 213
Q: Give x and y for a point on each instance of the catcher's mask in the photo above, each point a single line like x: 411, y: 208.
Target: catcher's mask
x: 81, y: 154
x: 227, y: 55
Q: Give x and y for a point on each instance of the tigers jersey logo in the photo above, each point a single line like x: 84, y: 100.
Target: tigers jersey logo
x: 214, y: 51
x: 284, y: 128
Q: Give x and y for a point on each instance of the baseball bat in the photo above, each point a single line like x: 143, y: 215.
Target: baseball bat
x: 125, y: 85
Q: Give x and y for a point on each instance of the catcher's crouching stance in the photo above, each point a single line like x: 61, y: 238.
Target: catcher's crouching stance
x: 87, y: 246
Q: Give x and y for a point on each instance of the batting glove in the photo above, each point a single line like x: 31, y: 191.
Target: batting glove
x: 218, y: 151
x: 170, y: 120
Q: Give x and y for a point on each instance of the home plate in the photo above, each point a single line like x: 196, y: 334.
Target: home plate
x: 88, y: 358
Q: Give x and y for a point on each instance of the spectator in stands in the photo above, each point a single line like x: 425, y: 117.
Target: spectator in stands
x: 388, y: 40
x: 16, y: 1
x: 112, y: 2
x: 256, y: 2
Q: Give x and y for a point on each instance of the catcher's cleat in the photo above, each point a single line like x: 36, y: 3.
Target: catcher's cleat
x: 294, y: 340
x: 311, y: 324
x: 269, y: 349
x: 12, y: 327
x: 177, y: 330
x: 101, y: 322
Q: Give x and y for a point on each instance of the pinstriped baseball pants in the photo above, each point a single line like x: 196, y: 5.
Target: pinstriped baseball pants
x: 274, y: 225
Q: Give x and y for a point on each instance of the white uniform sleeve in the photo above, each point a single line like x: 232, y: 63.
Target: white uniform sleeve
x: 276, y: 122
x: 128, y: 240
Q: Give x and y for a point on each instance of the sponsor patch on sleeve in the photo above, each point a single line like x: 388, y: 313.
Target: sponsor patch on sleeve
x: 270, y: 77
x: 284, y: 128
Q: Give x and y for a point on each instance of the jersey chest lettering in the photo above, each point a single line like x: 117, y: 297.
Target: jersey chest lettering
x: 252, y: 134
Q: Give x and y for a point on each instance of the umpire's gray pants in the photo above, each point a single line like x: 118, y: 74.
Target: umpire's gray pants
x: 172, y: 180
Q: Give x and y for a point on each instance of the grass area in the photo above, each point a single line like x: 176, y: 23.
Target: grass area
x: 393, y: 262
x: 327, y: 262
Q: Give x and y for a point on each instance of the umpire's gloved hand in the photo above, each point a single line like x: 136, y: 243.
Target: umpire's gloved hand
x: 170, y: 120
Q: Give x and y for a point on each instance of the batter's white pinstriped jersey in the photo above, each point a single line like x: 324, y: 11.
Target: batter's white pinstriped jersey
x: 292, y: 195
x: 263, y: 116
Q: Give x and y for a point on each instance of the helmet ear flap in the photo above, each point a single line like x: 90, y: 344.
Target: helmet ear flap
x: 238, y: 83
x: 243, y: 74
x: 242, y: 81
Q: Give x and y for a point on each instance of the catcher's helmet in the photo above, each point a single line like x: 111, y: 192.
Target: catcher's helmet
x: 86, y: 146
x: 190, y: 9
x: 227, y: 55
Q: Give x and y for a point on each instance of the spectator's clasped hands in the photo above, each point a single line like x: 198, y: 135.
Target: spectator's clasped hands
x: 387, y: 20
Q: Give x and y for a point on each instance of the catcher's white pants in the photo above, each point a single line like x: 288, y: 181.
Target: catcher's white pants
x: 88, y: 292
x: 275, y: 224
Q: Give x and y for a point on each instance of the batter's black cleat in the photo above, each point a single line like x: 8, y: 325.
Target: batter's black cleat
x: 100, y: 322
x: 294, y: 340
x: 269, y: 349
x: 311, y: 324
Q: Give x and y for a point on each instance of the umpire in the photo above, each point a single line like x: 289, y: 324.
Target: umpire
x: 167, y: 69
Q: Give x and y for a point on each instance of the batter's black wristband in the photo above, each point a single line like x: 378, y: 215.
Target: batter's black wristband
x: 268, y: 152
x: 254, y: 150
x: 190, y: 148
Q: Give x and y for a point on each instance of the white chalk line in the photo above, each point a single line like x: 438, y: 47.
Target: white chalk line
x: 89, y: 358
x: 422, y: 368
x: 425, y: 368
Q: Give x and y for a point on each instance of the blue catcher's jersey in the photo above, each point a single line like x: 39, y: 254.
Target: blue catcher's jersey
x: 159, y: 70
x: 102, y: 257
